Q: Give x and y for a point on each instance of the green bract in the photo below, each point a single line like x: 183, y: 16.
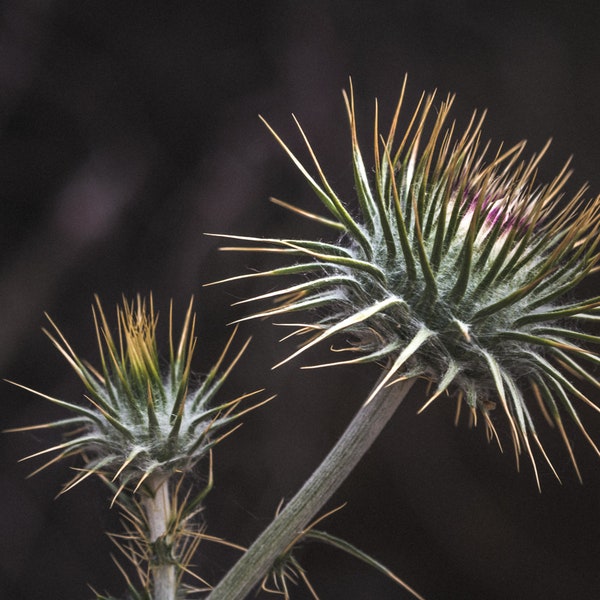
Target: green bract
x: 453, y: 265
x: 140, y: 420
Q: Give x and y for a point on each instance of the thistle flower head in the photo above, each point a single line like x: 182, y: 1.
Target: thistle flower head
x: 141, y: 420
x: 452, y: 264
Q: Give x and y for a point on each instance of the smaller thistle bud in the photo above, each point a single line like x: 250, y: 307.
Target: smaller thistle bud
x: 142, y: 422
x: 451, y: 264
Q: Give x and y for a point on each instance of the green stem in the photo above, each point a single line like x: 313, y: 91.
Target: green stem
x: 158, y: 512
x: 290, y: 523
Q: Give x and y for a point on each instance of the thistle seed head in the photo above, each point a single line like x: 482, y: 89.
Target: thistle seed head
x: 142, y: 420
x: 453, y: 264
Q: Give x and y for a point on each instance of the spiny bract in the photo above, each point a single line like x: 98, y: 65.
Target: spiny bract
x: 453, y: 265
x: 141, y: 421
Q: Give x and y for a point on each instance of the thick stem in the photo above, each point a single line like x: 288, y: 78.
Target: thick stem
x: 158, y: 513
x: 289, y: 524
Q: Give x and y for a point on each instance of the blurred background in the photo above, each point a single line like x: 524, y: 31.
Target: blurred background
x: 128, y: 130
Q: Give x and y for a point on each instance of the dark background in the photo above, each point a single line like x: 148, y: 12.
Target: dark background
x: 128, y: 129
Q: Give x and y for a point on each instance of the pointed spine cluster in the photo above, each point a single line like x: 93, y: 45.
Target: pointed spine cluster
x: 454, y: 263
x: 142, y: 430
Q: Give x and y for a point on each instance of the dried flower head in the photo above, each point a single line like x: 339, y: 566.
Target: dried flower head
x: 453, y: 265
x: 141, y: 421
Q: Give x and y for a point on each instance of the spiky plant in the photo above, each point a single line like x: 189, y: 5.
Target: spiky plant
x: 457, y: 266
x: 452, y: 264
x: 143, y: 429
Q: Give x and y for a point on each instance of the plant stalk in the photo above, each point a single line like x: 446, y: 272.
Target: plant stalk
x: 289, y: 525
x: 158, y: 513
